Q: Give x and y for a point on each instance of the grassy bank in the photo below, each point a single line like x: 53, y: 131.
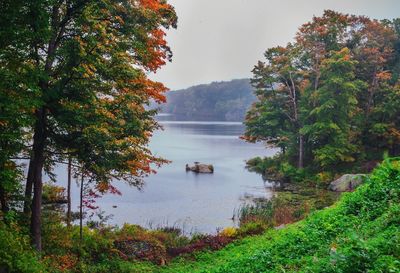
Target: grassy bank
x: 360, y: 233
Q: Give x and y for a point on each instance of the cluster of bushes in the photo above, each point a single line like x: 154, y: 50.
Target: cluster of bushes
x: 16, y: 254
x: 277, y: 168
x: 283, y: 208
x: 104, y: 248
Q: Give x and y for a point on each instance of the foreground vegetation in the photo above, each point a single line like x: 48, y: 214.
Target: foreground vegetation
x: 361, y: 233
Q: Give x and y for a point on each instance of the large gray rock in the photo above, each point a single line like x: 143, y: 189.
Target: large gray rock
x: 200, y: 168
x: 346, y: 182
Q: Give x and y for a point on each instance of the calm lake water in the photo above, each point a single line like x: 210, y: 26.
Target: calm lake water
x: 194, y: 202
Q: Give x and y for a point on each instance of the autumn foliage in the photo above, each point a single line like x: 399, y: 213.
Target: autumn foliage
x: 327, y: 99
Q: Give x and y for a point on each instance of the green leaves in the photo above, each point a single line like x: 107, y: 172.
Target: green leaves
x: 331, y: 90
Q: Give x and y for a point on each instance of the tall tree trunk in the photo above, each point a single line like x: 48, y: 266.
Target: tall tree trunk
x: 81, y: 210
x: 301, y: 152
x: 36, y: 164
x: 69, y: 192
x: 28, y: 189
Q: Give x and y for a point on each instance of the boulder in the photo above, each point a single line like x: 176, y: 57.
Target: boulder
x: 200, y: 168
x: 346, y: 182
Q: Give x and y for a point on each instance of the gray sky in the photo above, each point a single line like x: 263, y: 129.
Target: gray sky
x: 223, y: 39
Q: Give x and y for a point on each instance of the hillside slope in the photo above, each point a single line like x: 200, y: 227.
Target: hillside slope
x: 224, y: 101
x: 361, y: 233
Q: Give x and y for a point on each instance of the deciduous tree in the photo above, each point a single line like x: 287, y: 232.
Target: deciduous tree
x: 89, y: 60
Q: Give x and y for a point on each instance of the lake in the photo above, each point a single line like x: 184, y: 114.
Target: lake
x: 193, y: 202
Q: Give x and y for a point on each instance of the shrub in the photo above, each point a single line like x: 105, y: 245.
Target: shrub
x: 251, y: 228
x: 228, y: 232
x: 16, y: 255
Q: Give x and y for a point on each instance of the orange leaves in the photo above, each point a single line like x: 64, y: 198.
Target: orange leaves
x: 155, y: 5
x: 322, y: 30
x: 140, y: 167
x: 395, y: 133
x: 384, y: 75
x: 156, y: 50
x: 305, y: 83
x: 104, y: 112
x: 155, y: 90
x: 119, y: 19
x: 251, y: 139
x: 105, y: 187
x: 62, y: 262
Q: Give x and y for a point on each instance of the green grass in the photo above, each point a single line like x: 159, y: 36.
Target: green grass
x: 361, y: 233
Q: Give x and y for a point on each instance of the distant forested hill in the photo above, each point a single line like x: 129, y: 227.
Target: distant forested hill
x: 225, y: 101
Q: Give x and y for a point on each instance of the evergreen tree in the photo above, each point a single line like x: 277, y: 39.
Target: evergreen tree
x: 331, y: 133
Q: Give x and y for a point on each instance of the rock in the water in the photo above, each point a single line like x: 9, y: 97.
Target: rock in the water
x: 200, y: 168
x: 347, y: 182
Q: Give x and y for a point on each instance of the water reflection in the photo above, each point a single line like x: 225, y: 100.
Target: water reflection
x: 195, y: 202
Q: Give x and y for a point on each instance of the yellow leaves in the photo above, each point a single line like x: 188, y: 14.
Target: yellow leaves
x: 395, y: 133
x: 345, y: 53
x: 228, y: 232
x: 105, y: 113
x: 122, y: 122
x: 82, y: 43
x: 89, y: 70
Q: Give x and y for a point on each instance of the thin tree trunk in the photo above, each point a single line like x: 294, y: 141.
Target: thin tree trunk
x: 28, y: 189
x: 69, y: 192
x: 37, y: 163
x: 292, y: 89
x: 301, y: 152
x: 81, y: 210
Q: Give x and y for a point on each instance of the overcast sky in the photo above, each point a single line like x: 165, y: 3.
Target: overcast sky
x: 223, y: 39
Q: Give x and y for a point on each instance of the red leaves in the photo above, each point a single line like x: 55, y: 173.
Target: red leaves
x: 155, y: 5
x: 91, y: 195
